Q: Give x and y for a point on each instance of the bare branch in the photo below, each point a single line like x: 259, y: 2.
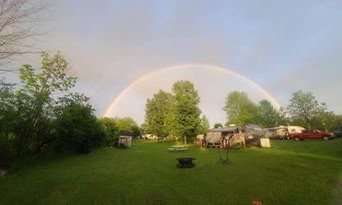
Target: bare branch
x: 18, y: 20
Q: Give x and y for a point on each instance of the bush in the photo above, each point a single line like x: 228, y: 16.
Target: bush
x: 77, y: 129
x: 110, y: 131
x: 4, y: 153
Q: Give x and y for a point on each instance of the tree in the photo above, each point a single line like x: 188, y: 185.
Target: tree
x: 325, y: 121
x: 110, y: 130
x: 239, y: 108
x: 305, y: 107
x: 337, y: 122
x: 7, y: 117
x: 76, y: 126
x: 218, y: 125
x: 18, y: 20
x: 267, y: 115
x: 35, y: 100
x: 204, y: 126
x: 157, y: 109
x: 184, y: 119
x: 127, y: 126
x: 7, y: 109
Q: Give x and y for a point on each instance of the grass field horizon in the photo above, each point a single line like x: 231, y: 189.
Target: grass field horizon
x: 305, y: 172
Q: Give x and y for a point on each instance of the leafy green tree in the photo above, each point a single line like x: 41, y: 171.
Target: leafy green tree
x: 204, y: 126
x: 305, y: 108
x: 337, y: 122
x: 325, y: 121
x: 7, y: 118
x: 218, y: 125
x: 127, y: 126
x: 35, y: 99
x: 267, y: 115
x: 76, y: 126
x: 110, y: 130
x: 239, y: 108
x: 157, y: 110
x: 7, y: 109
x: 184, y: 119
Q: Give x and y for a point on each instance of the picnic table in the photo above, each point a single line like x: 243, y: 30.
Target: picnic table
x: 178, y: 148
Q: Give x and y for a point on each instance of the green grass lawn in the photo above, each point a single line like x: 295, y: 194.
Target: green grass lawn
x: 305, y: 172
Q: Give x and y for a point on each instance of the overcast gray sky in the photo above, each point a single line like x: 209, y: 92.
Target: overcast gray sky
x: 282, y: 46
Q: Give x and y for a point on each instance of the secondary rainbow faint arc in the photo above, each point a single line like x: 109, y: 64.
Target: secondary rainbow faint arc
x: 176, y: 67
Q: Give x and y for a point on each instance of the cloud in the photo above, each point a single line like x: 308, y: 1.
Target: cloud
x: 282, y: 46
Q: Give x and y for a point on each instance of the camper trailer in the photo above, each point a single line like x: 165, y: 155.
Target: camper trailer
x: 295, y: 129
x: 276, y: 132
x: 218, y: 137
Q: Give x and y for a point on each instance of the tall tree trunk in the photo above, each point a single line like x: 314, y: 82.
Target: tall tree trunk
x: 185, y: 139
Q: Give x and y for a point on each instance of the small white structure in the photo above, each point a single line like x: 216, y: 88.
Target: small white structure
x: 265, y: 142
x: 125, y: 141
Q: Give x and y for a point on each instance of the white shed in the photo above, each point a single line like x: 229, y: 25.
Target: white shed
x: 125, y: 141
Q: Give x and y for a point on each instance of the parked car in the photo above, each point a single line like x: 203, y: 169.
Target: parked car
x: 337, y: 132
x: 311, y: 134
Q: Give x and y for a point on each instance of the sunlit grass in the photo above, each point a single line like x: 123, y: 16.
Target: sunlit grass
x: 307, y: 172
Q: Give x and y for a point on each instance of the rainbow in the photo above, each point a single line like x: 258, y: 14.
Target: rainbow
x: 112, y: 106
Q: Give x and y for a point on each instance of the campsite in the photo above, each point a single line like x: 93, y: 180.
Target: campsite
x: 170, y: 102
x: 290, y: 172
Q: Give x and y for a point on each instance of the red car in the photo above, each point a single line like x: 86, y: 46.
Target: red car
x: 311, y: 134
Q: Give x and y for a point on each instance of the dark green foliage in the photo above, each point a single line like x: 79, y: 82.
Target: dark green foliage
x: 76, y: 128
x: 33, y: 119
x: 325, y: 121
x: 4, y: 153
x: 7, y: 109
x: 110, y: 129
x: 8, y: 115
x: 337, y: 122
x: 218, y: 125
x: 127, y: 126
x: 34, y: 102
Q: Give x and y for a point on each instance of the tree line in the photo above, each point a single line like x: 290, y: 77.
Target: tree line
x: 178, y: 114
x: 303, y: 110
x: 43, y: 114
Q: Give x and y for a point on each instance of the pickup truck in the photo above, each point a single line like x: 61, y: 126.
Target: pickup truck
x: 311, y: 134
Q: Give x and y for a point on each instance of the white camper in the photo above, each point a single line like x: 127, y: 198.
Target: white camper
x: 295, y: 129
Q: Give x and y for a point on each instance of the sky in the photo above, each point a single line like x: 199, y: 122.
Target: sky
x: 280, y: 46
